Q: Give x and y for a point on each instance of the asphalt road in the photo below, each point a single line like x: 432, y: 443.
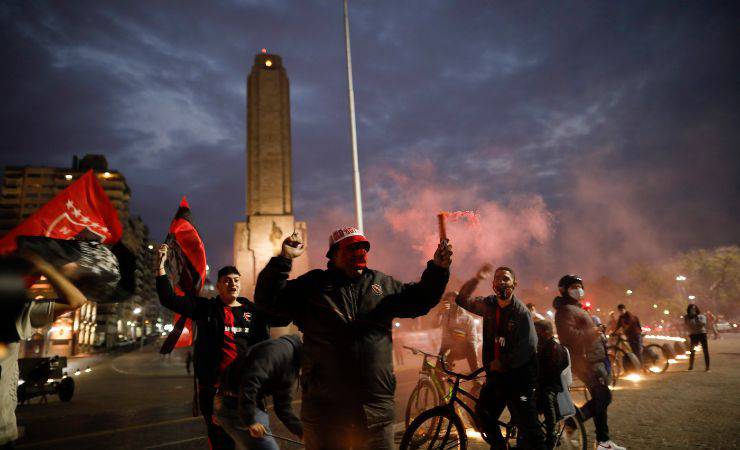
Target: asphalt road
x: 140, y: 400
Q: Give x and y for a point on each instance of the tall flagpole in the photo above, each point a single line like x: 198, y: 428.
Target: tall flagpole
x: 353, y: 125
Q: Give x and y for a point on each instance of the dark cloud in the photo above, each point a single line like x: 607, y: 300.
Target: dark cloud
x: 622, y: 117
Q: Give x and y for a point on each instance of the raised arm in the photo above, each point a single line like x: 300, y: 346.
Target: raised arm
x: 465, y: 300
x: 273, y: 293
x: 184, y: 305
x: 417, y: 299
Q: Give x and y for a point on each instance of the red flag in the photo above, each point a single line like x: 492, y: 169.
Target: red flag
x: 81, y: 212
x: 186, y: 267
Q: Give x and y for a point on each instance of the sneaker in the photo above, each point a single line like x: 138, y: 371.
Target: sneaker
x: 608, y: 445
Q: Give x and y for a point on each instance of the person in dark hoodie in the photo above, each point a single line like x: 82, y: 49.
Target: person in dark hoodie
x: 509, y: 355
x: 227, y: 326
x: 270, y: 368
x: 346, y: 314
x: 552, y: 359
x: 577, y: 332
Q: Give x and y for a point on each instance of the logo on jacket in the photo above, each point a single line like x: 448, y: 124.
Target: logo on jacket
x: 377, y: 290
x: 247, y: 316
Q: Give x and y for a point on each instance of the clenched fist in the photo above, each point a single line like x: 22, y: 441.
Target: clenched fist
x: 293, y: 247
x: 162, y: 250
x: 443, y: 255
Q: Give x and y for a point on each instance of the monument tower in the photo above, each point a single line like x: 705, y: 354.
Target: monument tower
x: 269, y: 217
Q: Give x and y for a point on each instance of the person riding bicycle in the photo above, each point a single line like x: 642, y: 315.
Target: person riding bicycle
x: 458, y: 332
x: 552, y: 359
x: 629, y: 324
x: 577, y: 331
x: 509, y: 354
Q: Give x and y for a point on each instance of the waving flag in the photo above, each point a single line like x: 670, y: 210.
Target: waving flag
x: 81, y: 212
x: 186, y: 268
x: 73, y: 232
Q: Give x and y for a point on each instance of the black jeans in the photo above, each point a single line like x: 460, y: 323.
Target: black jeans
x: 696, y: 339
x: 547, y: 404
x: 517, y: 394
x: 597, y: 383
x: 218, y: 439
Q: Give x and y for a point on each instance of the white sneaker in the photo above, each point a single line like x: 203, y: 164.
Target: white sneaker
x: 608, y: 445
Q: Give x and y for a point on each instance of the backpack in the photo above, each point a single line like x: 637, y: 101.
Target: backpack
x: 566, y: 407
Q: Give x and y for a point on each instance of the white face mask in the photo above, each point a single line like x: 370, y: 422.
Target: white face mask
x: 576, y: 294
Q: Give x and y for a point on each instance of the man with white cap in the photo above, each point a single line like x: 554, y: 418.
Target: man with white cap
x: 346, y: 314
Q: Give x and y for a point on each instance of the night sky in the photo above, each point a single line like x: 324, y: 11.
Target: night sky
x: 587, y: 135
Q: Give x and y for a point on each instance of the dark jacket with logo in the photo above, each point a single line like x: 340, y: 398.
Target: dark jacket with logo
x: 515, y: 334
x: 347, y: 365
x: 251, y: 326
x: 576, y: 330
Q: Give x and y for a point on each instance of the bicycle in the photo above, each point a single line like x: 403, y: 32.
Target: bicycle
x: 441, y: 427
x: 622, y: 358
x: 431, y: 389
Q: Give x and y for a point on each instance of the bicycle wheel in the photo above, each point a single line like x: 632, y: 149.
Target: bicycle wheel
x: 423, y: 397
x: 654, y: 359
x: 571, y: 434
x: 439, y: 428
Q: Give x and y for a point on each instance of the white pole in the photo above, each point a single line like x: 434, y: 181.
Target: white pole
x: 353, y: 125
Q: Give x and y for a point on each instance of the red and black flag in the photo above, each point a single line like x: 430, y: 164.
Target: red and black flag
x: 81, y: 212
x: 186, y: 268
x: 74, y: 232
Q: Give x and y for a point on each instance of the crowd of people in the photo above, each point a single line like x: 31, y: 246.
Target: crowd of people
x: 343, y: 358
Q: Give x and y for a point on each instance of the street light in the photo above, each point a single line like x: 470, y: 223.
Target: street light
x: 150, y: 247
x: 655, y: 305
x: 629, y: 292
x: 680, y: 278
x: 137, y: 310
x: 666, y: 312
x: 692, y: 297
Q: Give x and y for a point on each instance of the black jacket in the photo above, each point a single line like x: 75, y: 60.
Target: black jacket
x: 515, y: 333
x: 208, y: 315
x: 347, y: 365
x: 552, y: 359
x: 269, y: 368
x: 576, y: 330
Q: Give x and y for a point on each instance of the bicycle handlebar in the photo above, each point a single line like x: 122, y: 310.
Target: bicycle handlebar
x: 471, y: 376
x: 416, y: 351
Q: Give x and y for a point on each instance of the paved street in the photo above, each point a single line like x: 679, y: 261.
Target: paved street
x: 141, y: 400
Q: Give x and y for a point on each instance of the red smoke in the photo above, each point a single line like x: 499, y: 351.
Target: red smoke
x: 401, y: 224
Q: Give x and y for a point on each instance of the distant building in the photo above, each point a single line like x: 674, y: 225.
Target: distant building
x: 96, y: 326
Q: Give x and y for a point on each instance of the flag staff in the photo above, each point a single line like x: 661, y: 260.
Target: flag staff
x: 353, y: 124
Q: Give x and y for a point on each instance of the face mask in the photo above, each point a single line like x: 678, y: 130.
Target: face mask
x: 355, y: 259
x: 504, y: 292
x: 576, y: 294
